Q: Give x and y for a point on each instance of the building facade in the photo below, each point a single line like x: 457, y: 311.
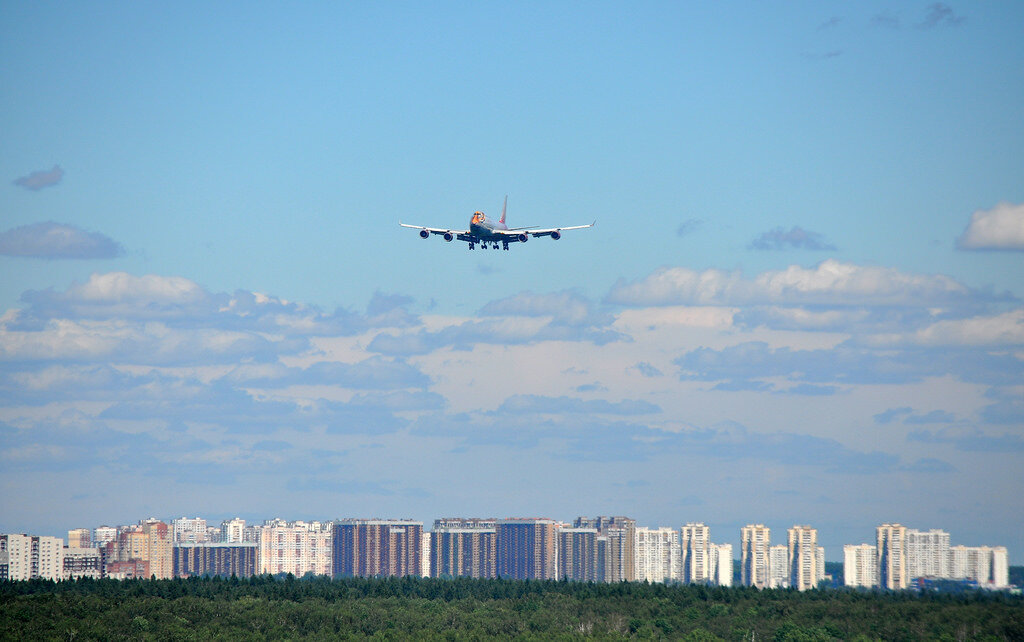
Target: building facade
x: 215, y: 559
x: 755, y: 540
x: 618, y: 558
x: 657, y: 554
x: 79, y: 538
x: 927, y: 553
x: 84, y: 562
x: 695, y: 542
x: 804, y: 571
x: 890, y: 548
x: 527, y: 548
x: 464, y: 548
x: 577, y: 554
x: 188, y: 530
x: 295, y: 547
x: 860, y: 565
x: 30, y: 557
x: 377, y: 548
x: 721, y: 564
x: 233, y: 531
x: 778, y: 566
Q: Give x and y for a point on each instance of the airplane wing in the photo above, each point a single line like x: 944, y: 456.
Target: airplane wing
x: 449, y: 235
x: 556, y: 232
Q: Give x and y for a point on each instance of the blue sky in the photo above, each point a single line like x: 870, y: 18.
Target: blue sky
x: 801, y: 302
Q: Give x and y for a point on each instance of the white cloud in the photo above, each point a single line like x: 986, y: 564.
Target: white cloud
x: 1005, y: 329
x: 1000, y: 228
x: 121, y: 287
x: 829, y: 283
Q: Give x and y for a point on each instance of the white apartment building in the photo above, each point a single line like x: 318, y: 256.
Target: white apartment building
x: 103, y: 534
x: 891, y: 550
x: 425, y: 554
x: 821, y: 563
x: 232, y: 531
x: 721, y: 564
x: 755, y: 540
x: 29, y: 557
x: 860, y: 565
x: 927, y: 553
x: 185, y: 530
x: 1000, y: 567
x: 802, y: 551
x: 778, y: 566
x: 657, y: 554
x: 986, y: 565
x: 295, y: 547
x: 695, y: 544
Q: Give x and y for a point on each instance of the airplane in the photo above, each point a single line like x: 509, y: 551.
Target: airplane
x: 483, y: 231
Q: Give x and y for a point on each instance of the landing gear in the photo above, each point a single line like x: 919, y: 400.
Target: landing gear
x: 472, y: 245
x: 504, y: 245
x: 495, y: 246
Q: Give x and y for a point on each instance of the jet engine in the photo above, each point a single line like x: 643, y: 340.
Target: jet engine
x: 556, y: 235
x: 448, y: 236
x: 424, y: 234
x: 523, y: 238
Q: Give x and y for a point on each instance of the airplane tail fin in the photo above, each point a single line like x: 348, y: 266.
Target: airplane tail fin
x: 503, y: 207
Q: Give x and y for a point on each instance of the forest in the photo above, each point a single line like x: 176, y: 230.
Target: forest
x: 266, y: 607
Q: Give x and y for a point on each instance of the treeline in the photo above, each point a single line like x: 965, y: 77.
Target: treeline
x: 396, y: 608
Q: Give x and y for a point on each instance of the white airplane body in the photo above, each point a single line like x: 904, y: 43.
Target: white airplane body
x: 484, y: 231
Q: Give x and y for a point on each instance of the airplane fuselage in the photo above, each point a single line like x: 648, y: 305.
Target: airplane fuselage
x: 484, y: 229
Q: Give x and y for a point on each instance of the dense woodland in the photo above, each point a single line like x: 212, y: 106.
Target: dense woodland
x: 455, y: 609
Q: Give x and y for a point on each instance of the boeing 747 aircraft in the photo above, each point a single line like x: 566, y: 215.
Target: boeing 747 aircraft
x: 484, y: 231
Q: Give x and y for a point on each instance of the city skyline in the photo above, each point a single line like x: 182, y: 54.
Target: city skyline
x: 802, y: 302
x: 602, y: 549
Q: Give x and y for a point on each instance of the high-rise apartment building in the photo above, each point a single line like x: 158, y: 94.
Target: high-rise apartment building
x: 577, y: 554
x: 891, y: 551
x: 720, y: 556
x: 986, y: 565
x: 527, y: 548
x: 377, y: 547
x: 463, y: 548
x: 618, y: 557
x: 83, y: 562
x: 103, y: 535
x: 755, y: 540
x: 220, y: 559
x: 804, y: 571
x: 425, y: 539
x: 29, y: 557
x: 927, y: 553
x: 188, y: 530
x: 232, y: 531
x: 295, y: 547
x: 149, y: 542
x: 695, y: 541
x: 1000, y: 567
x: 778, y: 566
x: 657, y: 554
x: 79, y: 538
x: 860, y: 565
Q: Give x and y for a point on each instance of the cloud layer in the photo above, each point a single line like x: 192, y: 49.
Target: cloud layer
x: 809, y: 376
